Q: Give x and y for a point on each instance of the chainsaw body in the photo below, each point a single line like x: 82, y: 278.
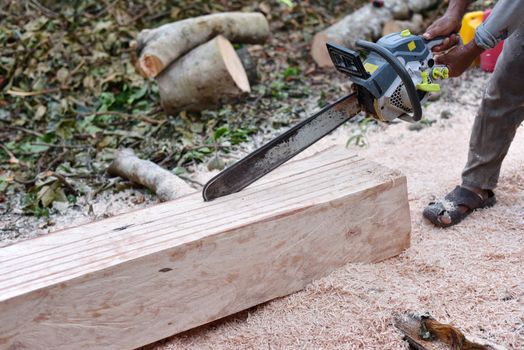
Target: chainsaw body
x: 396, y: 76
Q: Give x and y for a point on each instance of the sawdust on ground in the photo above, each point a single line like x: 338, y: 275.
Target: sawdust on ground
x: 470, y: 275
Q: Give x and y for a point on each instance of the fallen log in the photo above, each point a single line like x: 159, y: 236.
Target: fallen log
x: 250, y: 65
x: 206, y: 77
x: 158, y: 47
x: 399, y: 8
x: 136, y: 278
x: 415, y: 25
x: 365, y: 23
x: 422, y: 5
x: 166, y: 185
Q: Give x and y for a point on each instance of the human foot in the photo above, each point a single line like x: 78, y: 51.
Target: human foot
x: 457, y: 205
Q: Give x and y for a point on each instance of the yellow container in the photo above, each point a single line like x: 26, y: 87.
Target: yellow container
x: 470, y: 22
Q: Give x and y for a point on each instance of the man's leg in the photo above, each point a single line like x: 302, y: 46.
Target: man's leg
x: 500, y: 114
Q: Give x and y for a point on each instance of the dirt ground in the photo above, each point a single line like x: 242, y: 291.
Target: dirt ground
x: 469, y: 275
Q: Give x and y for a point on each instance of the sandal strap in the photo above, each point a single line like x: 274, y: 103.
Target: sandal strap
x: 462, y: 196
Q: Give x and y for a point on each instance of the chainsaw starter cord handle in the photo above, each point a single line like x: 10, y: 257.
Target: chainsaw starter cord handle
x: 401, y: 71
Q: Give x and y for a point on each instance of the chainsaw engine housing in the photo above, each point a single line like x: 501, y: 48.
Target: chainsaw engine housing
x: 396, y: 76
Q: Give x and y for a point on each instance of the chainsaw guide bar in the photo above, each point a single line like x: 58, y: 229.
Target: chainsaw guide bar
x: 282, y: 148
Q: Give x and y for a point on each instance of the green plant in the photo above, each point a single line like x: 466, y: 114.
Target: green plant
x: 423, y: 123
x: 358, y: 138
x: 291, y: 72
x: 288, y: 3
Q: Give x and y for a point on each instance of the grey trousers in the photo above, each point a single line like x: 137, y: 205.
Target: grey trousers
x: 499, y: 116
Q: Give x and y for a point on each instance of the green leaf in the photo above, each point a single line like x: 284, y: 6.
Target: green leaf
x: 291, y: 72
x: 3, y: 183
x: 239, y: 135
x: 219, y: 132
x: 87, y: 125
x: 46, y: 195
x: 357, y: 140
x: 41, y: 212
x: 48, y: 137
x: 66, y: 128
x: 50, y: 193
x: 137, y: 94
x: 288, y: 3
x: 179, y: 170
x: 71, y: 199
x: 32, y: 148
x: 106, y: 99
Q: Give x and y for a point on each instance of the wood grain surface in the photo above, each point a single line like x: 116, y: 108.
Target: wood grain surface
x: 139, y: 277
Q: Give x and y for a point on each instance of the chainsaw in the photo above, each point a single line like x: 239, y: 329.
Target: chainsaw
x: 394, y: 80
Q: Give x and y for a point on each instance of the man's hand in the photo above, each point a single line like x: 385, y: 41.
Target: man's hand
x: 459, y: 58
x: 448, y: 25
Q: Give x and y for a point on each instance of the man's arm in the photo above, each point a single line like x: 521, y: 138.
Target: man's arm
x: 458, y: 8
x: 448, y: 25
x: 506, y: 17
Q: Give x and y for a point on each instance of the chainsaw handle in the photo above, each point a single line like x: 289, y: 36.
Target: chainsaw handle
x: 430, y: 44
x: 401, y: 72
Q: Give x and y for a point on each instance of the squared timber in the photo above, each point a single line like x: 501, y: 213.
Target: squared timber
x: 136, y: 278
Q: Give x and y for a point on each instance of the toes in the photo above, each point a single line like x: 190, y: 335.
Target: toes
x: 444, y: 218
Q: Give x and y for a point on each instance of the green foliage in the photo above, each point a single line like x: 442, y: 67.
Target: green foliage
x: 70, y: 95
x: 4, y: 182
x: 279, y: 90
x: 232, y: 136
x: 291, y: 72
x: 358, y: 138
x: 288, y: 3
x: 423, y: 123
x: 321, y: 102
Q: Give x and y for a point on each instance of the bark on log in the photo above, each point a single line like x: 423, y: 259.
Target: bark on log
x: 157, y: 48
x: 415, y: 25
x: 399, y: 8
x: 205, y: 78
x: 165, y: 184
x: 250, y: 64
x: 421, y: 5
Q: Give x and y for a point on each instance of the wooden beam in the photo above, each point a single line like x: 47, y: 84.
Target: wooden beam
x: 136, y: 278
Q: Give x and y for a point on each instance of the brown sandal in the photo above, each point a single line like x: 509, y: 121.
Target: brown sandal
x: 450, y: 206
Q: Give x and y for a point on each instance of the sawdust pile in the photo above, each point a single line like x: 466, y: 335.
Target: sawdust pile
x: 470, y: 276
